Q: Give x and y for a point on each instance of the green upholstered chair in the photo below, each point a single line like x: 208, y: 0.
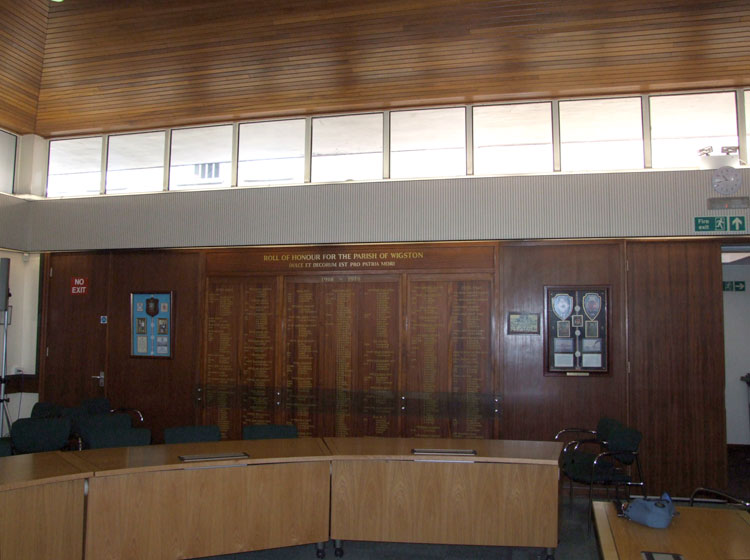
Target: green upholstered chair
x: 6, y: 447
x: 118, y: 437
x: 191, y: 434
x: 101, y: 405
x: 32, y: 435
x: 269, y: 431
x: 93, y: 428
x: 46, y: 410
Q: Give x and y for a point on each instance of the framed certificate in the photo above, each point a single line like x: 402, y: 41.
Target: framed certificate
x: 151, y: 324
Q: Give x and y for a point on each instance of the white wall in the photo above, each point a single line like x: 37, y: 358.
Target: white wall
x: 737, y: 355
x: 22, y: 330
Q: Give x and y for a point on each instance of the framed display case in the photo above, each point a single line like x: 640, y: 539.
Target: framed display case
x: 576, y: 329
x: 151, y: 324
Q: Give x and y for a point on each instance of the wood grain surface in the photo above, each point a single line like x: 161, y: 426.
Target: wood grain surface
x: 697, y: 533
x: 449, y: 502
x: 137, y: 65
x: 205, y: 511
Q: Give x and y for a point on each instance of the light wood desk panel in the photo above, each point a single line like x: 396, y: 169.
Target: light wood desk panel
x: 147, y: 504
x: 41, y: 507
x: 697, y: 533
x: 381, y: 492
x: 199, y: 512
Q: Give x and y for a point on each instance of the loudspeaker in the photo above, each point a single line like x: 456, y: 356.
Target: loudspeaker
x: 4, y: 279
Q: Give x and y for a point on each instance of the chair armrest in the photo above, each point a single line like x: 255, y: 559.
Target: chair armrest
x: 574, y: 430
x: 133, y: 410
x: 721, y: 495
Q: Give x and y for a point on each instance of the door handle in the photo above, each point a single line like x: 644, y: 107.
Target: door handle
x: 100, y: 377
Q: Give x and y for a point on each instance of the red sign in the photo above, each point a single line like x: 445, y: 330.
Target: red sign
x: 79, y: 286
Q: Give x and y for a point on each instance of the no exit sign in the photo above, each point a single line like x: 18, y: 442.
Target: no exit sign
x: 79, y: 286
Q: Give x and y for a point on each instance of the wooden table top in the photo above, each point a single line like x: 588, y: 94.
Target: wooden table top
x: 697, y: 533
x: 25, y: 470
x: 487, y: 450
x: 118, y: 460
x: 19, y: 471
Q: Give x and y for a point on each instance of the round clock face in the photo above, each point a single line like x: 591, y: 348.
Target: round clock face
x: 726, y: 180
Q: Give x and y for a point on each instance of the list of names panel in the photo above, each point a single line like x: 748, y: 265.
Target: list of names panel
x: 378, y: 365
x: 301, y: 355
x: 426, y: 380
x: 223, y: 297
x: 257, y: 360
x: 470, y: 359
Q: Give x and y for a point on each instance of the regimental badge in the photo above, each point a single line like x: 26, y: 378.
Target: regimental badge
x: 562, y: 305
x: 592, y: 305
x: 152, y: 307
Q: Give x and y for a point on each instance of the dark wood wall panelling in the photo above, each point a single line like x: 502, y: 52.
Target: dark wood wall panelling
x: 676, y: 333
x: 112, y: 66
x: 536, y: 406
x: 23, y: 27
x: 77, y: 344
x: 271, y: 331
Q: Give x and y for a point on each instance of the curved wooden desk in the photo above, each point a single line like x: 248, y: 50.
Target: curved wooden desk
x: 146, y: 503
x: 41, y: 507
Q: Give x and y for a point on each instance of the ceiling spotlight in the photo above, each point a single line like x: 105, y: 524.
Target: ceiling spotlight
x: 705, y: 151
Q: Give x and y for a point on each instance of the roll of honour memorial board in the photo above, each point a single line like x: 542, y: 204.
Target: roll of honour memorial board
x: 341, y: 355
x: 449, y: 364
x: 577, y: 330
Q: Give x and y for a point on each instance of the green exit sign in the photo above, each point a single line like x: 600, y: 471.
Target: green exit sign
x: 720, y: 223
x: 734, y: 286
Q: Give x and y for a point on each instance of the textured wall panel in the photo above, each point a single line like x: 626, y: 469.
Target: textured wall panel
x: 644, y: 204
x: 14, y: 222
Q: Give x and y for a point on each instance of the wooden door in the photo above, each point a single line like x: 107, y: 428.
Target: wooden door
x: 164, y: 389
x: 74, y: 327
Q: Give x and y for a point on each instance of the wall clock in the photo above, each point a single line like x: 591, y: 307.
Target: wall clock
x: 726, y: 180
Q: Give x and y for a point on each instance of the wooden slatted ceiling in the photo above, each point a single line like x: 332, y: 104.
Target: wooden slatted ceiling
x: 142, y: 64
x: 23, y: 26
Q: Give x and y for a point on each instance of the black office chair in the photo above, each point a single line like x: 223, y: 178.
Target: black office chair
x: 191, y: 434
x: 33, y: 435
x: 585, y: 443
x: 270, y: 431
x: 609, y: 467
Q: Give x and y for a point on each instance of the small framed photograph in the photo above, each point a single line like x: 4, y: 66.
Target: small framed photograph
x: 577, y: 320
x: 523, y: 323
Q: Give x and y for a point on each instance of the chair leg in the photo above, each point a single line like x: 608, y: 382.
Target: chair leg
x: 591, y: 505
